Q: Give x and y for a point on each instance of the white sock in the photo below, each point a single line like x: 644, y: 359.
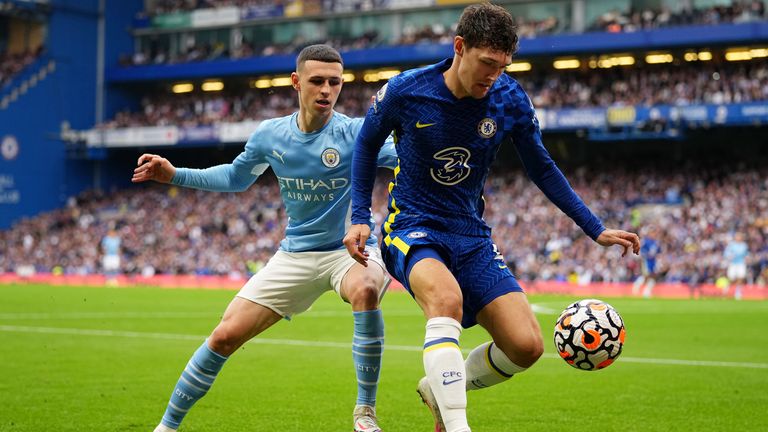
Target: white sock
x: 487, y: 365
x: 636, y: 286
x: 444, y: 366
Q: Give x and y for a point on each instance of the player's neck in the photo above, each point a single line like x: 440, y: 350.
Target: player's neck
x: 451, y: 77
x: 309, y: 122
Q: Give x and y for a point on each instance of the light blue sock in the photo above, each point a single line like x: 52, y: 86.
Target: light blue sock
x: 195, y: 381
x: 367, y: 346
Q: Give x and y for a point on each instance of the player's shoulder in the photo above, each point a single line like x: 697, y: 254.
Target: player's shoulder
x: 270, y: 129
x: 511, y: 94
x: 413, y: 80
x: 344, y: 126
x: 509, y: 86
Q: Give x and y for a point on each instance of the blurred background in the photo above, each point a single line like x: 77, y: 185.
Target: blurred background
x: 656, y: 111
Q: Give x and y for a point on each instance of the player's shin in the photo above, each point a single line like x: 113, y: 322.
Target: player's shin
x: 367, y: 347
x: 194, y: 382
x: 444, y: 366
x: 487, y: 365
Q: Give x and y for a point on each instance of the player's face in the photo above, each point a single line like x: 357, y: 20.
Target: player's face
x: 319, y: 84
x: 480, y: 68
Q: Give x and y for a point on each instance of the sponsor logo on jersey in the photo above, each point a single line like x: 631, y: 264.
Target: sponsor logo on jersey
x: 278, y: 155
x: 417, y: 235
x: 455, y: 166
x: 311, y: 184
x: 330, y: 157
x: 486, y: 128
x: 420, y: 125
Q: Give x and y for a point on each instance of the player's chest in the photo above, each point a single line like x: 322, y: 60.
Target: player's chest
x: 294, y: 158
x: 433, y: 126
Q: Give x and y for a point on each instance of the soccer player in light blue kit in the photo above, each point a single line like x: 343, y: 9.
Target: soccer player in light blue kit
x: 449, y: 120
x: 110, y: 262
x: 736, y: 254
x: 310, y: 152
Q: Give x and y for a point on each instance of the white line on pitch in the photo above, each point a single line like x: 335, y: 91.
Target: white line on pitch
x: 345, y: 345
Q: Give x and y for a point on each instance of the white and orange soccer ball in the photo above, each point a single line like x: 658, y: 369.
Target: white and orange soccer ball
x: 589, y: 334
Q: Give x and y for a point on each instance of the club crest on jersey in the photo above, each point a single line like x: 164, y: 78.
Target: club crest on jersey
x: 9, y: 147
x: 486, y: 128
x: 330, y: 157
x: 417, y: 235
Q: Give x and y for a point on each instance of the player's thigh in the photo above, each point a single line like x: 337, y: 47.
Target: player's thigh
x: 435, y: 289
x: 242, y: 320
x: 288, y: 284
x: 511, y: 323
x: 348, y: 276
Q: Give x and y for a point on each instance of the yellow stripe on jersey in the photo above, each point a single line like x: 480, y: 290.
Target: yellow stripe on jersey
x: 441, y: 345
x: 391, y: 218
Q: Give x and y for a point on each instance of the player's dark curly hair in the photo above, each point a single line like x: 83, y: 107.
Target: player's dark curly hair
x: 486, y: 25
x: 323, y: 53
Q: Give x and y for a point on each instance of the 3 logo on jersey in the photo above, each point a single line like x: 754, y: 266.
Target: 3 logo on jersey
x: 456, y: 167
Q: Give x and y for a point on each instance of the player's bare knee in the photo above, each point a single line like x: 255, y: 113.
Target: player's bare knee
x: 364, y: 296
x: 225, y: 340
x: 530, y: 351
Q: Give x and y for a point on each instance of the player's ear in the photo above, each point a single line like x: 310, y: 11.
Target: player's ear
x: 295, y: 81
x: 458, y: 45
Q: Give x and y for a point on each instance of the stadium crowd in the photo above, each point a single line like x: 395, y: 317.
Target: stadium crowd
x: 654, y: 85
x: 739, y: 11
x: 167, y: 230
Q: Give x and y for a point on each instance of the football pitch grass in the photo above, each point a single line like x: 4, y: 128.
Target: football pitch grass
x: 106, y: 359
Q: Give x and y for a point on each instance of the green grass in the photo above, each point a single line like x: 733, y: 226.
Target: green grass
x: 106, y: 359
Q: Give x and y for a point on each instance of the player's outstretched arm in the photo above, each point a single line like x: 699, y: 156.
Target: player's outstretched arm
x: 355, y: 241
x: 153, y: 167
x: 625, y: 239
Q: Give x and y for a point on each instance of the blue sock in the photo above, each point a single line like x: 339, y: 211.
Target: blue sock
x: 367, y: 346
x: 195, y: 381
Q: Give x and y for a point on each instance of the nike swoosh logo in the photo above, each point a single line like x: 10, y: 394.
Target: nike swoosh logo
x: 420, y: 125
x: 446, y: 382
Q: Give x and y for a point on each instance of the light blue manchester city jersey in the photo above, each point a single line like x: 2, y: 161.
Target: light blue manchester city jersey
x: 313, y: 170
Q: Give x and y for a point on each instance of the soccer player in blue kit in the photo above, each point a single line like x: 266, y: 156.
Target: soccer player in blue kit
x: 449, y: 120
x: 310, y: 153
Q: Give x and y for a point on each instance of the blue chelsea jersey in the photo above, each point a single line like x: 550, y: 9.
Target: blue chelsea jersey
x: 446, y: 147
x: 312, y: 169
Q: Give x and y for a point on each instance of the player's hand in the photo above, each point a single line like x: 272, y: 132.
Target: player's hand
x: 622, y: 238
x: 355, y: 242
x: 153, y: 167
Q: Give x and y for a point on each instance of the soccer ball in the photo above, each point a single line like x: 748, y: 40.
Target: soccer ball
x: 589, y: 334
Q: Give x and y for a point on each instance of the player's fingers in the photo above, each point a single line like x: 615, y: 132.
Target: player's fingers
x: 143, y: 158
x: 625, y: 244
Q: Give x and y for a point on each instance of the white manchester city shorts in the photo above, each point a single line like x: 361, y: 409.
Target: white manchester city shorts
x: 291, y: 281
x: 737, y: 271
x: 110, y: 263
